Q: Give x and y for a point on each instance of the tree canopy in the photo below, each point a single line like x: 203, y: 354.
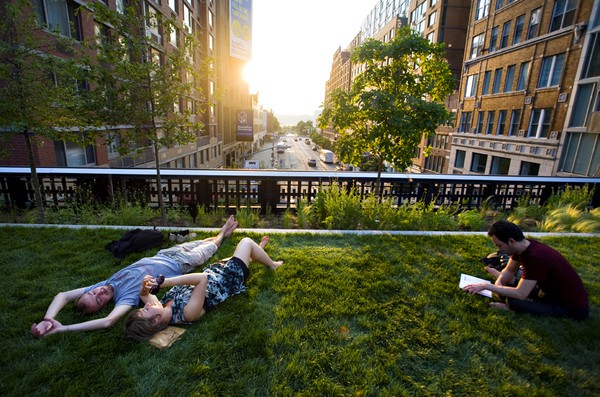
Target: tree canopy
x: 395, y: 100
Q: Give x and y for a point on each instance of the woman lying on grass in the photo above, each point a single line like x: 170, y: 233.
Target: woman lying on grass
x: 193, y: 294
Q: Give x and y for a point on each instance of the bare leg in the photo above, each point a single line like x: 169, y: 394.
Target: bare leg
x: 247, y: 250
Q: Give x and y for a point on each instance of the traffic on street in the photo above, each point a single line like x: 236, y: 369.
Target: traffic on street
x: 293, y: 152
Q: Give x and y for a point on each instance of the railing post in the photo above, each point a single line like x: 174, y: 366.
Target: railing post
x: 203, y: 193
x: 268, y: 195
x: 596, y: 196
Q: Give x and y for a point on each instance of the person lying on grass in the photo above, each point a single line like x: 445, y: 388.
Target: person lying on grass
x: 194, y: 294
x: 124, y: 286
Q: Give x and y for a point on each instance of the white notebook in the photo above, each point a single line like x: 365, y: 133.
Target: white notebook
x: 465, y: 280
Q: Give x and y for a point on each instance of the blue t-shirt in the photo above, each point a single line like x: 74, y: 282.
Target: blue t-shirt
x: 128, y: 281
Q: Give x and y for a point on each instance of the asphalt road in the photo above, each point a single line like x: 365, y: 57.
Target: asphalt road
x: 295, y: 157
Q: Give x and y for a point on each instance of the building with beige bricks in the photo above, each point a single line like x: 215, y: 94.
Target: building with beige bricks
x: 528, y: 79
x: 528, y: 91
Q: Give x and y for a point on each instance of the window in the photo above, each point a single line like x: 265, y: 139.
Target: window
x: 479, y: 128
x: 211, y: 42
x: 174, y: 37
x: 102, y: 34
x: 499, y: 4
x: 551, y: 71
x: 476, y: 46
x: 563, y: 14
x: 505, y: 34
x: 510, y: 76
x: 120, y: 4
x: 490, y: 122
x: 486, y: 82
x: 465, y: 122
x: 478, y: 163
x: 471, y: 86
x: 152, y: 29
x: 113, y: 142
x: 581, y: 154
x: 528, y: 168
x: 519, y: 24
x: 494, y: 38
x: 501, y: 122
x: 497, y: 81
x: 500, y: 166
x: 69, y: 154
x: 591, y: 66
x: 482, y: 9
x: 534, y: 23
x: 432, y: 18
x: 539, y: 125
x: 187, y: 18
x: 523, y: 76
x: 459, y: 160
x: 172, y: 4
x: 587, y: 95
x: 211, y: 18
x: 60, y: 16
x: 515, y: 118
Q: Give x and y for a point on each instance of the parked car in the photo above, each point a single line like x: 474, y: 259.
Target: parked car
x: 312, y: 163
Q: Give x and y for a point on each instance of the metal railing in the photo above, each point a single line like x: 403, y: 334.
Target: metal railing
x: 274, y: 191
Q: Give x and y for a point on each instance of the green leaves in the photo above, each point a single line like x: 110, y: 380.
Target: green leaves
x: 393, y: 102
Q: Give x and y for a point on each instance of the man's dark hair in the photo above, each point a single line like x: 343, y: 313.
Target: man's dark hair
x: 505, y: 230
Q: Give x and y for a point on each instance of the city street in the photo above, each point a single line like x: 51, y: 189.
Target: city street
x: 294, y: 157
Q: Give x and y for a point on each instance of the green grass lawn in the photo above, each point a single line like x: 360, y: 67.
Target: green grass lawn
x: 347, y: 315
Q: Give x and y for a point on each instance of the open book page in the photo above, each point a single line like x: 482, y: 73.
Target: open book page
x: 465, y: 280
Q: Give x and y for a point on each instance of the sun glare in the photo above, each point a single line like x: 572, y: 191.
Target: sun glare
x: 248, y: 72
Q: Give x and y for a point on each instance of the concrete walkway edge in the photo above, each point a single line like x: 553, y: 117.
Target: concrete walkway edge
x: 297, y: 231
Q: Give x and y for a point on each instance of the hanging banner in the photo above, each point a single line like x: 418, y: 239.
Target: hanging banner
x: 240, y: 29
x: 244, y: 126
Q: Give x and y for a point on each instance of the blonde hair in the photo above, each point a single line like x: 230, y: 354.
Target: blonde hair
x: 140, y: 328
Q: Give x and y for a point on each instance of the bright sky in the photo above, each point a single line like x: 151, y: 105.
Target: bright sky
x: 293, y: 43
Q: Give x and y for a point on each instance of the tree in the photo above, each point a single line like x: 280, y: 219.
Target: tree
x: 154, y: 93
x: 40, y: 85
x: 396, y: 100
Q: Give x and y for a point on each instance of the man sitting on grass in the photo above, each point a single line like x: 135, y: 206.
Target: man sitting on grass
x: 124, y: 286
x: 549, y: 286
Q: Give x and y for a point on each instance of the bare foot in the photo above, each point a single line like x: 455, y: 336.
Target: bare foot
x: 499, y: 305
x: 229, y: 226
x: 276, y: 265
x: 264, y: 241
x: 492, y: 271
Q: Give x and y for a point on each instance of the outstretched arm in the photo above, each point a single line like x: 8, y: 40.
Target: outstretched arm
x: 100, y: 323
x: 59, y: 301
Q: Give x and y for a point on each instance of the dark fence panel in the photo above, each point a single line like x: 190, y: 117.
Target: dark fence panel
x: 276, y: 190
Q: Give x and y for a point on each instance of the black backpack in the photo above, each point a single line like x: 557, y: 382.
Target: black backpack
x: 136, y: 240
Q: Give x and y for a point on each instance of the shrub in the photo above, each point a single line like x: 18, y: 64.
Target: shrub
x: 471, y: 220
